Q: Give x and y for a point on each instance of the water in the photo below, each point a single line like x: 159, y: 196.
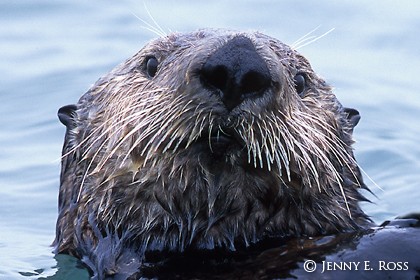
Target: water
x: 52, y: 51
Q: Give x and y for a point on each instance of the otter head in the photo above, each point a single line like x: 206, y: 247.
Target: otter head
x: 208, y: 139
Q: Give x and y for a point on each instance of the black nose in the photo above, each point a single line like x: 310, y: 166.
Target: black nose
x: 236, y: 71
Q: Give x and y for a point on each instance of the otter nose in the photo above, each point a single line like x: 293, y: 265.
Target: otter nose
x: 236, y: 71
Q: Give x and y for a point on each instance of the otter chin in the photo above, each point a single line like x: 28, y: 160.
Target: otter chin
x: 214, y: 139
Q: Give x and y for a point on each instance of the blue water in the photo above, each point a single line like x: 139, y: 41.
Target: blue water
x: 52, y: 51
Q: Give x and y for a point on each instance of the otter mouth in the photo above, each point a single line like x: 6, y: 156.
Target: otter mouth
x: 220, y: 142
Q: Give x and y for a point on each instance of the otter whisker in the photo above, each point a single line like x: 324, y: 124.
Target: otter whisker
x: 156, y: 29
x: 309, y: 40
x: 261, y: 147
x: 198, y: 128
x: 83, y: 181
x: 173, y: 138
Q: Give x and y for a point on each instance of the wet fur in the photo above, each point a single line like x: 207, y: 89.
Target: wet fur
x: 140, y: 173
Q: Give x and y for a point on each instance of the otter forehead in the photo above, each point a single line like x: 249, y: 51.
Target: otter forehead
x: 211, y: 39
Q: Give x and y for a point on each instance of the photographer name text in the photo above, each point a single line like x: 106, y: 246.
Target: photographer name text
x: 364, y: 265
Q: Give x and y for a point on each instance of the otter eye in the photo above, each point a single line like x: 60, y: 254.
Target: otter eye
x: 151, y: 66
x: 300, y: 83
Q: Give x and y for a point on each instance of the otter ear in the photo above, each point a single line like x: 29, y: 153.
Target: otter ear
x: 353, y: 116
x: 66, y: 115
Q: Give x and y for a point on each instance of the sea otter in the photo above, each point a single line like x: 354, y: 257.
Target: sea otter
x: 201, y: 141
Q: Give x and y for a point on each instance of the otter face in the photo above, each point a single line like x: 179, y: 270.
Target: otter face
x: 206, y: 139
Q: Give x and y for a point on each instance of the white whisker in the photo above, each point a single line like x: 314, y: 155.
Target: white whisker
x: 309, y: 40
